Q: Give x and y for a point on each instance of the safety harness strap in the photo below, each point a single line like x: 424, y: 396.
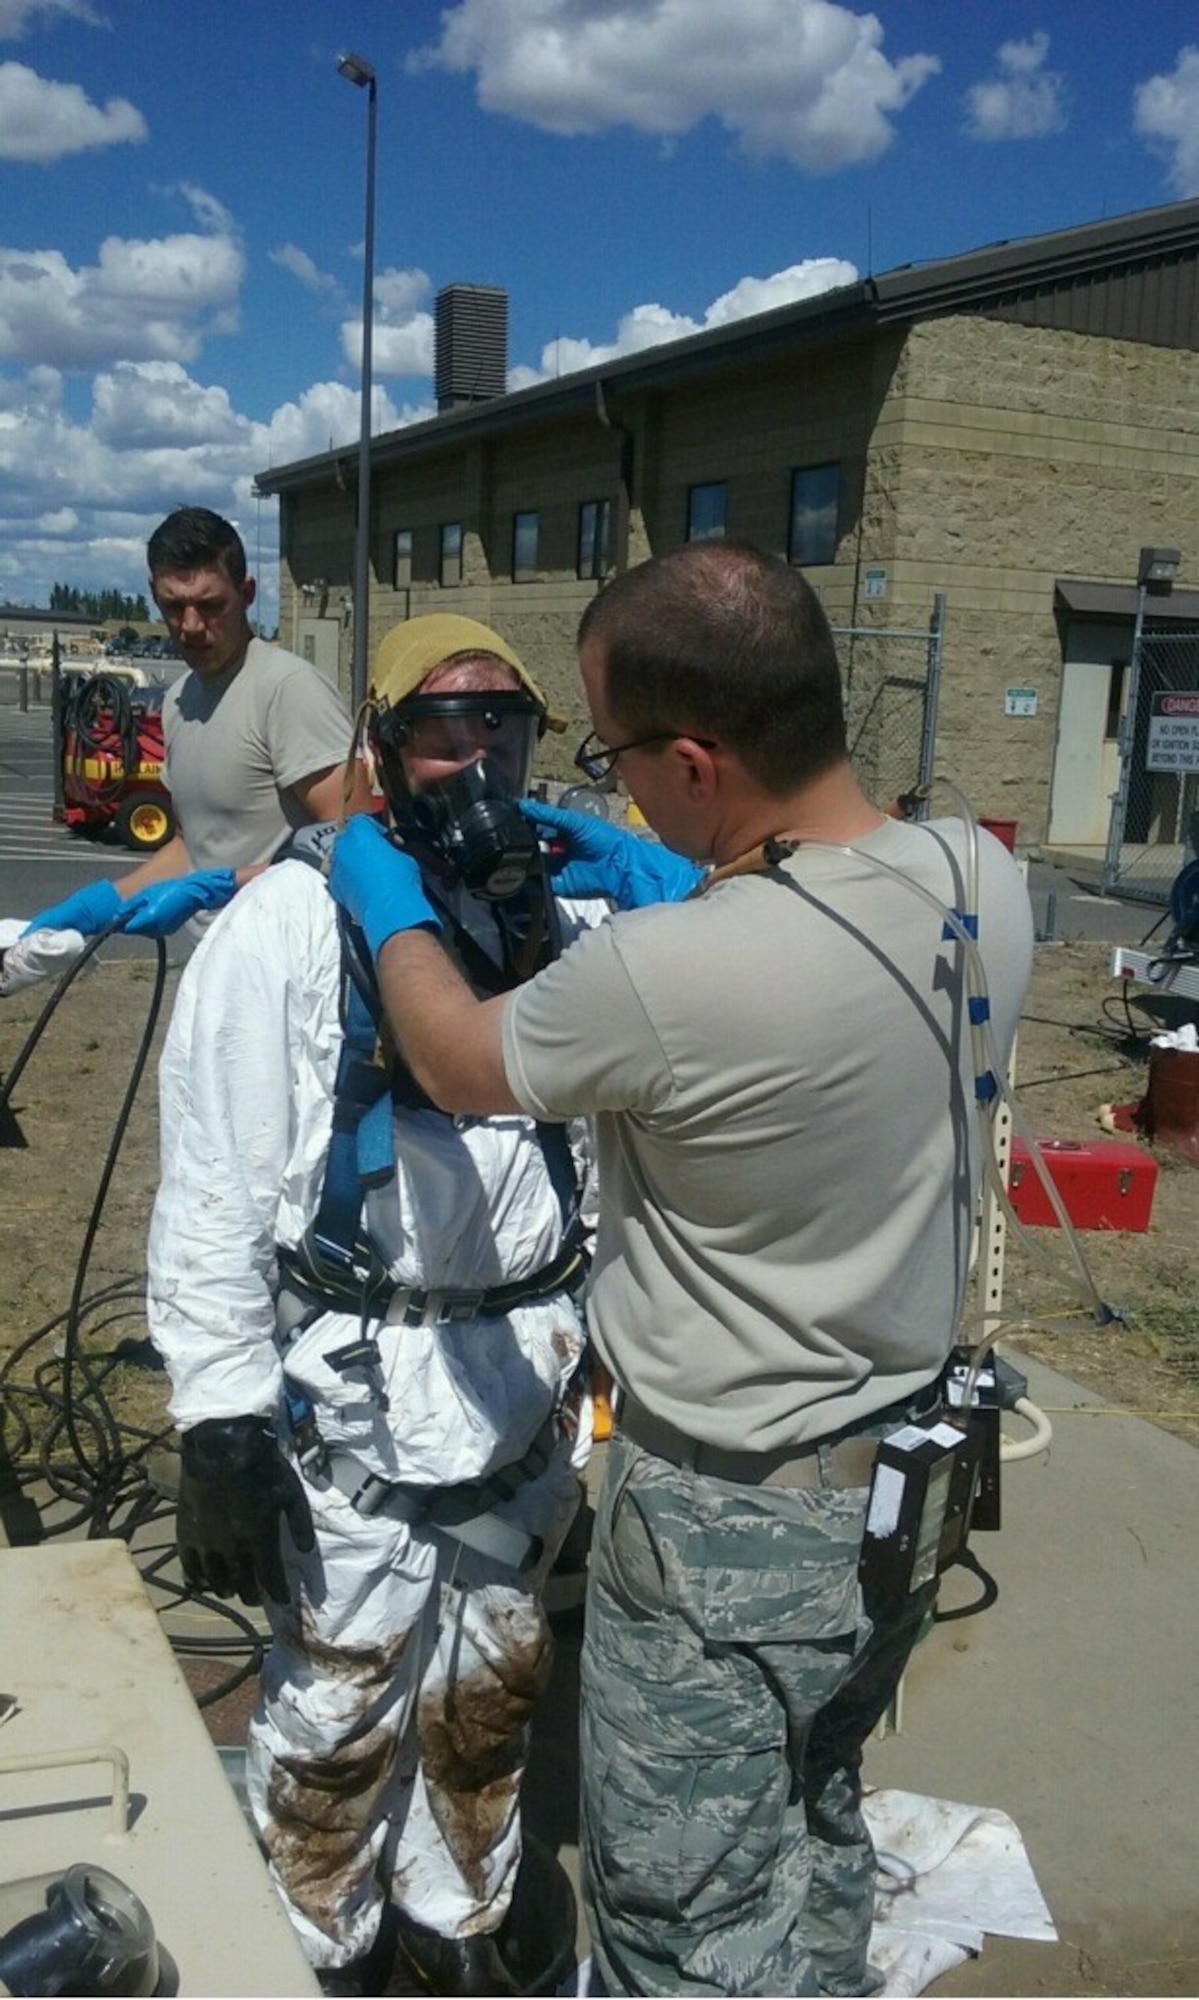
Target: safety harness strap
x: 362, y: 1142
x: 318, y: 1291
x: 465, y: 1513
x: 361, y: 1109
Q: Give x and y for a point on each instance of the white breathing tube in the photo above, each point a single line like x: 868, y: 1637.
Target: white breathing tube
x: 991, y: 1088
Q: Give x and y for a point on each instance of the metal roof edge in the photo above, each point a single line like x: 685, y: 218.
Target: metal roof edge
x: 1098, y: 597
x: 908, y: 292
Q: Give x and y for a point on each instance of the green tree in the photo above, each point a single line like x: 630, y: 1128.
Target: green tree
x: 99, y: 604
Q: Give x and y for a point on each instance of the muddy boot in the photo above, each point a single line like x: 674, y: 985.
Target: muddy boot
x: 455, y: 1965
x: 369, y: 1974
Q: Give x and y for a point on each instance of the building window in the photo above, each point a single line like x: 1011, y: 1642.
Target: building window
x: 815, y: 490
x: 526, y: 539
x: 450, y: 571
x: 401, y: 559
x: 1116, y: 682
x: 706, y: 510
x: 595, y: 537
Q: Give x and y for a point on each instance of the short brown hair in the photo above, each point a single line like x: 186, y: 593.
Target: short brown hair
x: 195, y: 538
x: 720, y: 639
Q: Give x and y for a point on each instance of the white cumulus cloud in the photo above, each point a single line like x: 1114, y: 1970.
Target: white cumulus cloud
x: 148, y: 405
x: 648, y: 325
x: 1024, y: 101
x: 143, y: 299
x: 1166, y: 115
x: 401, y: 331
x: 81, y: 490
x: 804, y: 80
x: 326, y: 415
x: 42, y: 121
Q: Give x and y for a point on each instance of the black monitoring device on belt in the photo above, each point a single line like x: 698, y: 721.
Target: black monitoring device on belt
x: 937, y: 1480
x: 921, y: 1497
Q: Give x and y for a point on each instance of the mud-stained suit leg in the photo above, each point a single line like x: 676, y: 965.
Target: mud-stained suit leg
x: 461, y: 1845
x: 339, y: 1689
x: 455, y: 1867
x: 388, y: 1748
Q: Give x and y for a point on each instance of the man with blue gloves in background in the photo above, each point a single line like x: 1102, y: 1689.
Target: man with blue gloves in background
x: 256, y: 746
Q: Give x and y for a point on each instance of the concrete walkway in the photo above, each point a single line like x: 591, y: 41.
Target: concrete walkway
x: 1072, y: 1703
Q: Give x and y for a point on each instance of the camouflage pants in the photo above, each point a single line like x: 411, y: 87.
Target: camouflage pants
x: 730, y: 1677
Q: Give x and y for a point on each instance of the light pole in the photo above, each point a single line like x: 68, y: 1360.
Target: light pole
x: 1156, y: 571
x: 360, y: 72
x: 258, y: 562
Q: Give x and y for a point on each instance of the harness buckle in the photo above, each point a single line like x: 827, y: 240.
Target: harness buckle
x: 417, y: 1307
x: 458, y: 1306
x: 371, y: 1495
x: 307, y: 1443
x: 362, y: 1355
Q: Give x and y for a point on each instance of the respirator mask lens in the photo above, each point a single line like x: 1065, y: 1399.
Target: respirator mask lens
x: 469, y: 817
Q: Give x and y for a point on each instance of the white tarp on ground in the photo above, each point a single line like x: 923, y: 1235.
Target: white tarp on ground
x: 947, y: 1874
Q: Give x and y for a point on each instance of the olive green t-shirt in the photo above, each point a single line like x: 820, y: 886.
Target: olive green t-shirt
x: 237, y: 741
x: 781, y: 1072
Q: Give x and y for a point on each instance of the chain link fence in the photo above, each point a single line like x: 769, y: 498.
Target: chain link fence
x: 1155, y: 811
x: 892, y: 680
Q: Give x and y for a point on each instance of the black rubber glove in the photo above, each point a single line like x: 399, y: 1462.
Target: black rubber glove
x: 235, y: 1490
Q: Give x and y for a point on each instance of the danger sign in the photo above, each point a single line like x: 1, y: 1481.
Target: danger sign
x: 1173, y: 743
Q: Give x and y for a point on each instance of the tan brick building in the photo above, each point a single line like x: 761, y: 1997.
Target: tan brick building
x: 1007, y: 428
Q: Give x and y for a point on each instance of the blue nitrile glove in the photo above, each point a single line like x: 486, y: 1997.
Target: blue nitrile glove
x: 89, y: 910
x: 605, y: 860
x: 157, y: 911
x: 377, y: 884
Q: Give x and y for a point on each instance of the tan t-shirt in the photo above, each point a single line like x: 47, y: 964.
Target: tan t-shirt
x: 237, y: 741
x: 781, y: 1075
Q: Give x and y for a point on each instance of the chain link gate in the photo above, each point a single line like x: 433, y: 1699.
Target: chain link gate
x: 1155, y: 809
x: 892, y: 680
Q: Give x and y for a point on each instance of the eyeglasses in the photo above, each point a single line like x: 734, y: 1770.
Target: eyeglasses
x: 597, y: 764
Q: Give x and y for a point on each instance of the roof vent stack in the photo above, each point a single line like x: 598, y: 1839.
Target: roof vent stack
x: 471, y: 345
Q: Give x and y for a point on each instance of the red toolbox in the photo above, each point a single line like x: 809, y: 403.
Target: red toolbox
x: 1104, y: 1183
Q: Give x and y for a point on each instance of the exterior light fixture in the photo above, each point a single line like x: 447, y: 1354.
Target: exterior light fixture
x: 1158, y: 567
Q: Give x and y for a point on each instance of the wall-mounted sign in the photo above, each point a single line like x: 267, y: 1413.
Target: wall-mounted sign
x: 1020, y: 701
x: 874, y: 583
x: 1173, y: 743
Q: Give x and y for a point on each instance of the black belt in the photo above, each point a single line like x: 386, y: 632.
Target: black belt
x: 837, y: 1460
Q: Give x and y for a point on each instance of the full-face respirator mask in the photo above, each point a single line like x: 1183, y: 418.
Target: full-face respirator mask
x: 469, y: 821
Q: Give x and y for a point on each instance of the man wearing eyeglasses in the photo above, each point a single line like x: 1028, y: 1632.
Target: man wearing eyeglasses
x: 776, y: 1057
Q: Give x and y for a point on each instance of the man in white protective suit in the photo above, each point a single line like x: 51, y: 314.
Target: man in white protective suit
x: 367, y: 1310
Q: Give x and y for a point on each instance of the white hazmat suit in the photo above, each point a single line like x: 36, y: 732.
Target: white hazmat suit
x: 386, y: 1753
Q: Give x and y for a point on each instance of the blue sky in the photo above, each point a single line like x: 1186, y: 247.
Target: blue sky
x: 182, y: 198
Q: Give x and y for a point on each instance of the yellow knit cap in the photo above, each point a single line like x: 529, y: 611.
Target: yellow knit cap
x: 410, y: 652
